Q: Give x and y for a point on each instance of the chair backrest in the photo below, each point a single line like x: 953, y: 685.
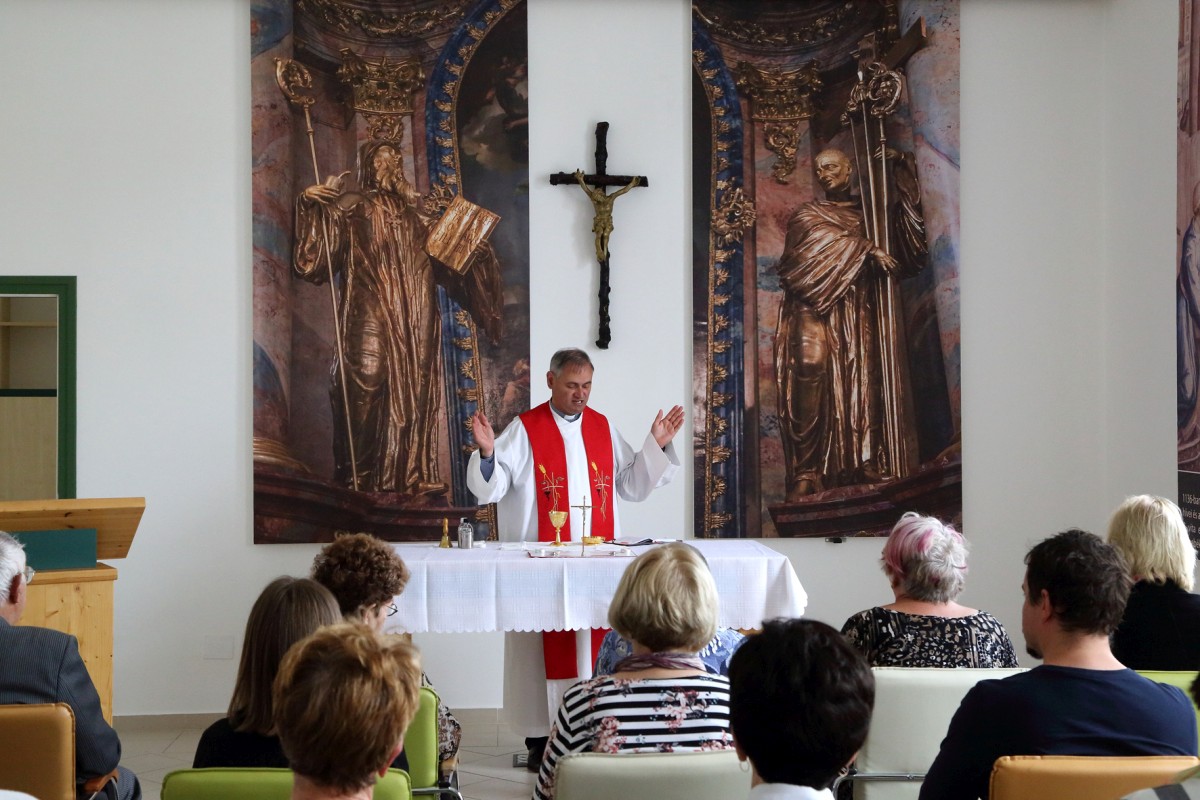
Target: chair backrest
x: 713, y: 774
x: 421, y: 742
x: 38, y: 756
x: 1181, y: 679
x: 913, y: 707
x: 253, y: 783
x: 1081, y: 777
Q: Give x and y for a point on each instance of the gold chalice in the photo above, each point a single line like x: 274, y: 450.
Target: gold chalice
x: 558, y: 519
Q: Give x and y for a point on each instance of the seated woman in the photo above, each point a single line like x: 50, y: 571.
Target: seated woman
x: 660, y: 699
x: 1161, y: 626
x: 365, y: 575
x: 715, y: 655
x: 288, y: 610
x: 926, y: 563
x: 343, y: 699
x: 800, y: 702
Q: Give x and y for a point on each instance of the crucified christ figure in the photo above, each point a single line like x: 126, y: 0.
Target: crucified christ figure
x: 602, y: 224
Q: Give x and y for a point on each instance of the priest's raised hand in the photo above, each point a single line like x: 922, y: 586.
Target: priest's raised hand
x: 485, y: 437
x: 664, y: 428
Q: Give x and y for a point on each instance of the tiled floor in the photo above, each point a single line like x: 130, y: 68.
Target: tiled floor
x: 153, y: 746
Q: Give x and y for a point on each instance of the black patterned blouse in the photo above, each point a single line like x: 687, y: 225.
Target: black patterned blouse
x: 894, y: 639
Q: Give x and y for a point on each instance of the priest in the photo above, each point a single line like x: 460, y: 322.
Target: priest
x: 549, y: 460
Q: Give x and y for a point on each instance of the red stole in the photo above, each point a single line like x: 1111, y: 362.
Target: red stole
x: 550, y: 473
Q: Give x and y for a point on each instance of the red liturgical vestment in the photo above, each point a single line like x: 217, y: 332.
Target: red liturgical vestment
x: 514, y: 482
x: 550, y: 465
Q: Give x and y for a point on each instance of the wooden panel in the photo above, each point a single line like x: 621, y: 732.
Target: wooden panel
x: 28, y: 447
x: 115, y: 519
x: 79, y: 602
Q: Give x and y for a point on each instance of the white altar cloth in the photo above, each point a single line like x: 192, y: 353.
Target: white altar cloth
x: 461, y: 591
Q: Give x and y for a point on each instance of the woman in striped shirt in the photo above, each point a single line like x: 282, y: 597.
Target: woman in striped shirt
x: 660, y: 699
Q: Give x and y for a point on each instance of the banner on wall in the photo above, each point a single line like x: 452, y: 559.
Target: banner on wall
x: 825, y: 247
x: 391, y: 238
x: 1187, y: 283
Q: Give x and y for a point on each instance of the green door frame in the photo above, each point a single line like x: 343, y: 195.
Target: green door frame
x: 62, y: 287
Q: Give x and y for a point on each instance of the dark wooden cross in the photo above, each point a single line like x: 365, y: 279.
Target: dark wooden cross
x: 602, y: 224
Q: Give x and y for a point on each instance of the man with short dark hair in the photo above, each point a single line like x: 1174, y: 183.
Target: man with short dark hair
x: 40, y: 665
x: 800, y: 702
x: 1082, y: 701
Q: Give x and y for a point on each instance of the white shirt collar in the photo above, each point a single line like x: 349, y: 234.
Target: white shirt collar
x: 787, y: 791
x: 565, y: 417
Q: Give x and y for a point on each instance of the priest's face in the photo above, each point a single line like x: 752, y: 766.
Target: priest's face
x: 570, y: 388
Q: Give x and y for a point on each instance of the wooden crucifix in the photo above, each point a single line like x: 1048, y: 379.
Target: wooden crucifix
x: 602, y: 223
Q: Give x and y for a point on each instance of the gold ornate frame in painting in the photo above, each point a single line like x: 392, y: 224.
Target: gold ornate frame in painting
x: 434, y: 96
x: 774, y: 86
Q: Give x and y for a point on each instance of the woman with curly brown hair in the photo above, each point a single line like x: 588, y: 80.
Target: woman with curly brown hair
x: 365, y: 574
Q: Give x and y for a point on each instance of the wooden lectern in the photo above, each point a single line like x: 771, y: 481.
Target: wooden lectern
x: 79, y: 601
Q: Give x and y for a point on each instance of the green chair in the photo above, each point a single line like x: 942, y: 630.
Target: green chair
x: 421, y: 750
x: 220, y: 783
x: 1181, y: 679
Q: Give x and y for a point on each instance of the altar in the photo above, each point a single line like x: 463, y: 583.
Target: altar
x: 490, y: 589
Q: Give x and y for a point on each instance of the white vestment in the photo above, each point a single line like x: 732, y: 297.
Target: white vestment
x: 513, y: 488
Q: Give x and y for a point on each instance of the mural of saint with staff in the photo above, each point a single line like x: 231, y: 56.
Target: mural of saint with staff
x: 844, y: 407
x: 384, y: 388
x: 826, y: 321
x: 390, y: 233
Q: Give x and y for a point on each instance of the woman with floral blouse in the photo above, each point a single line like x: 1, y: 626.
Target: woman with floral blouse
x: 660, y: 699
x: 925, y: 561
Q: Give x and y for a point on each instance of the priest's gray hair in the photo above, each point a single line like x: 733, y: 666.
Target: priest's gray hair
x: 569, y: 357
x: 12, y: 561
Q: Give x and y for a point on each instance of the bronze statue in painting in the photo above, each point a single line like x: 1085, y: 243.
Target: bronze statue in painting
x: 839, y: 349
x: 386, y: 387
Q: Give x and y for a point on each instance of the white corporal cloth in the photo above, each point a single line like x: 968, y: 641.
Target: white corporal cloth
x: 461, y: 591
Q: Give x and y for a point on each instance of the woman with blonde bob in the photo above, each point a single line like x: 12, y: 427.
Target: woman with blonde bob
x: 661, y: 698
x: 925, y: 561
x: 343, y: 699
x: 1161, y: 626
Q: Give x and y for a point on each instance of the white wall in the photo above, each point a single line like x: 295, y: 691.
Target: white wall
x: 125, y: 160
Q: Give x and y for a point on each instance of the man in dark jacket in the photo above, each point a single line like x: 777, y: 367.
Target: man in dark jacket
x: 39, y: 665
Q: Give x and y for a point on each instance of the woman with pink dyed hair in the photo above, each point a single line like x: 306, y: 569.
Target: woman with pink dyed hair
x: 925, y: 561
